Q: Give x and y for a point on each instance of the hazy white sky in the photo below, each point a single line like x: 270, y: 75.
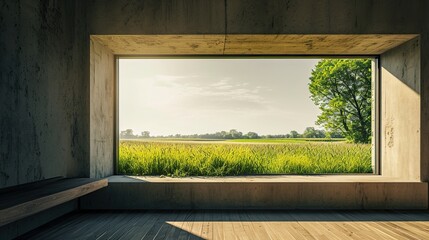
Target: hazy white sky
x: 187, y: 96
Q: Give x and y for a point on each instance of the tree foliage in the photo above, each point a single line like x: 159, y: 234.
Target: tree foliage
x: 311, y: 132
x: 127, y: 134
x: 342, y: 90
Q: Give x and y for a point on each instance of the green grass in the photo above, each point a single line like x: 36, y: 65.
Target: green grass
x: 288, y: 140
x: 177, y: 140
x: 230, y: 158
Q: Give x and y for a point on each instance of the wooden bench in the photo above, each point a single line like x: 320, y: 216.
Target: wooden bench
x: 24, y: 200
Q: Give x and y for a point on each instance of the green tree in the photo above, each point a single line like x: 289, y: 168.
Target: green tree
x: 127, y: 134
x: 342, y: 90
x: 311, y: 132
x: 294, y: 134
x: 252, y: 135
x: 145, y: 134
x: 235, y: 134
x: 334, y: 135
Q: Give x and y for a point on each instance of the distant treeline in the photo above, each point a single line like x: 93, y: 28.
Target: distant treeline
x: 310, y: 132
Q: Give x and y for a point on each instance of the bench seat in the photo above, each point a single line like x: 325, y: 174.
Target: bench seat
x: 21, y: 201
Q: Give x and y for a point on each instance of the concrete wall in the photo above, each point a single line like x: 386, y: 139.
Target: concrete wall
x: 134, y: 193
x: 325, y: 16
x: 400, y: 111
x: 156, y: 17
x: 408, y: 157
x: 102, y: 112
x: 56, y: 120
x: 253, y: 16
x: 45, y: 51
x: 44, y: 90
x: 424, y: 104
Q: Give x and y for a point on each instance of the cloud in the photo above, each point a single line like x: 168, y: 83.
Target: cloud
x: 209, y: 93
x: 171, y: 80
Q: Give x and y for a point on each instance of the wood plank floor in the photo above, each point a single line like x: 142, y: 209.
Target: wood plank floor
x: 377, y: 225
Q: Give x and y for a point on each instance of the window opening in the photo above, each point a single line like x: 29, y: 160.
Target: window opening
x: 223, y: 116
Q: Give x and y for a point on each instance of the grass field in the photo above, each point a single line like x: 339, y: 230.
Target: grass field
x: 288, y: 140
x: 174, y: 157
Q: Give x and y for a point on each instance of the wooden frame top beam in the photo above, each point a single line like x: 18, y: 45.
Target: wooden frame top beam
x: 264, y: 44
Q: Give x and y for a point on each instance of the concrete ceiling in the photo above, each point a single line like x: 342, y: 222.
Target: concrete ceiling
x: 285, y: 44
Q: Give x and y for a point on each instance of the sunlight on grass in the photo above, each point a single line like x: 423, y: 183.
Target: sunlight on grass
x: 231, y: 159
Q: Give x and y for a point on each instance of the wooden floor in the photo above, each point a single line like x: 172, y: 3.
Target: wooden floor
x: 375, y: 225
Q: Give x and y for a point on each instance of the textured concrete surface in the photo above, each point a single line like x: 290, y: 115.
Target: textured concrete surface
x: 48, y: 111
x: 156, y: 16
x: 256, y: 17
x: 400, y: 111
x: 424, y: 104
x: 44, y: 91
x: 324, y: 16
x: 340, y: 178
x: 44, y: 49
x: 203, y: 194
x: 298, y: 17
x: 102, y: 99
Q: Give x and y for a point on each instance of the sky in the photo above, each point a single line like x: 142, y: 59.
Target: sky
x: 188, y: 95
